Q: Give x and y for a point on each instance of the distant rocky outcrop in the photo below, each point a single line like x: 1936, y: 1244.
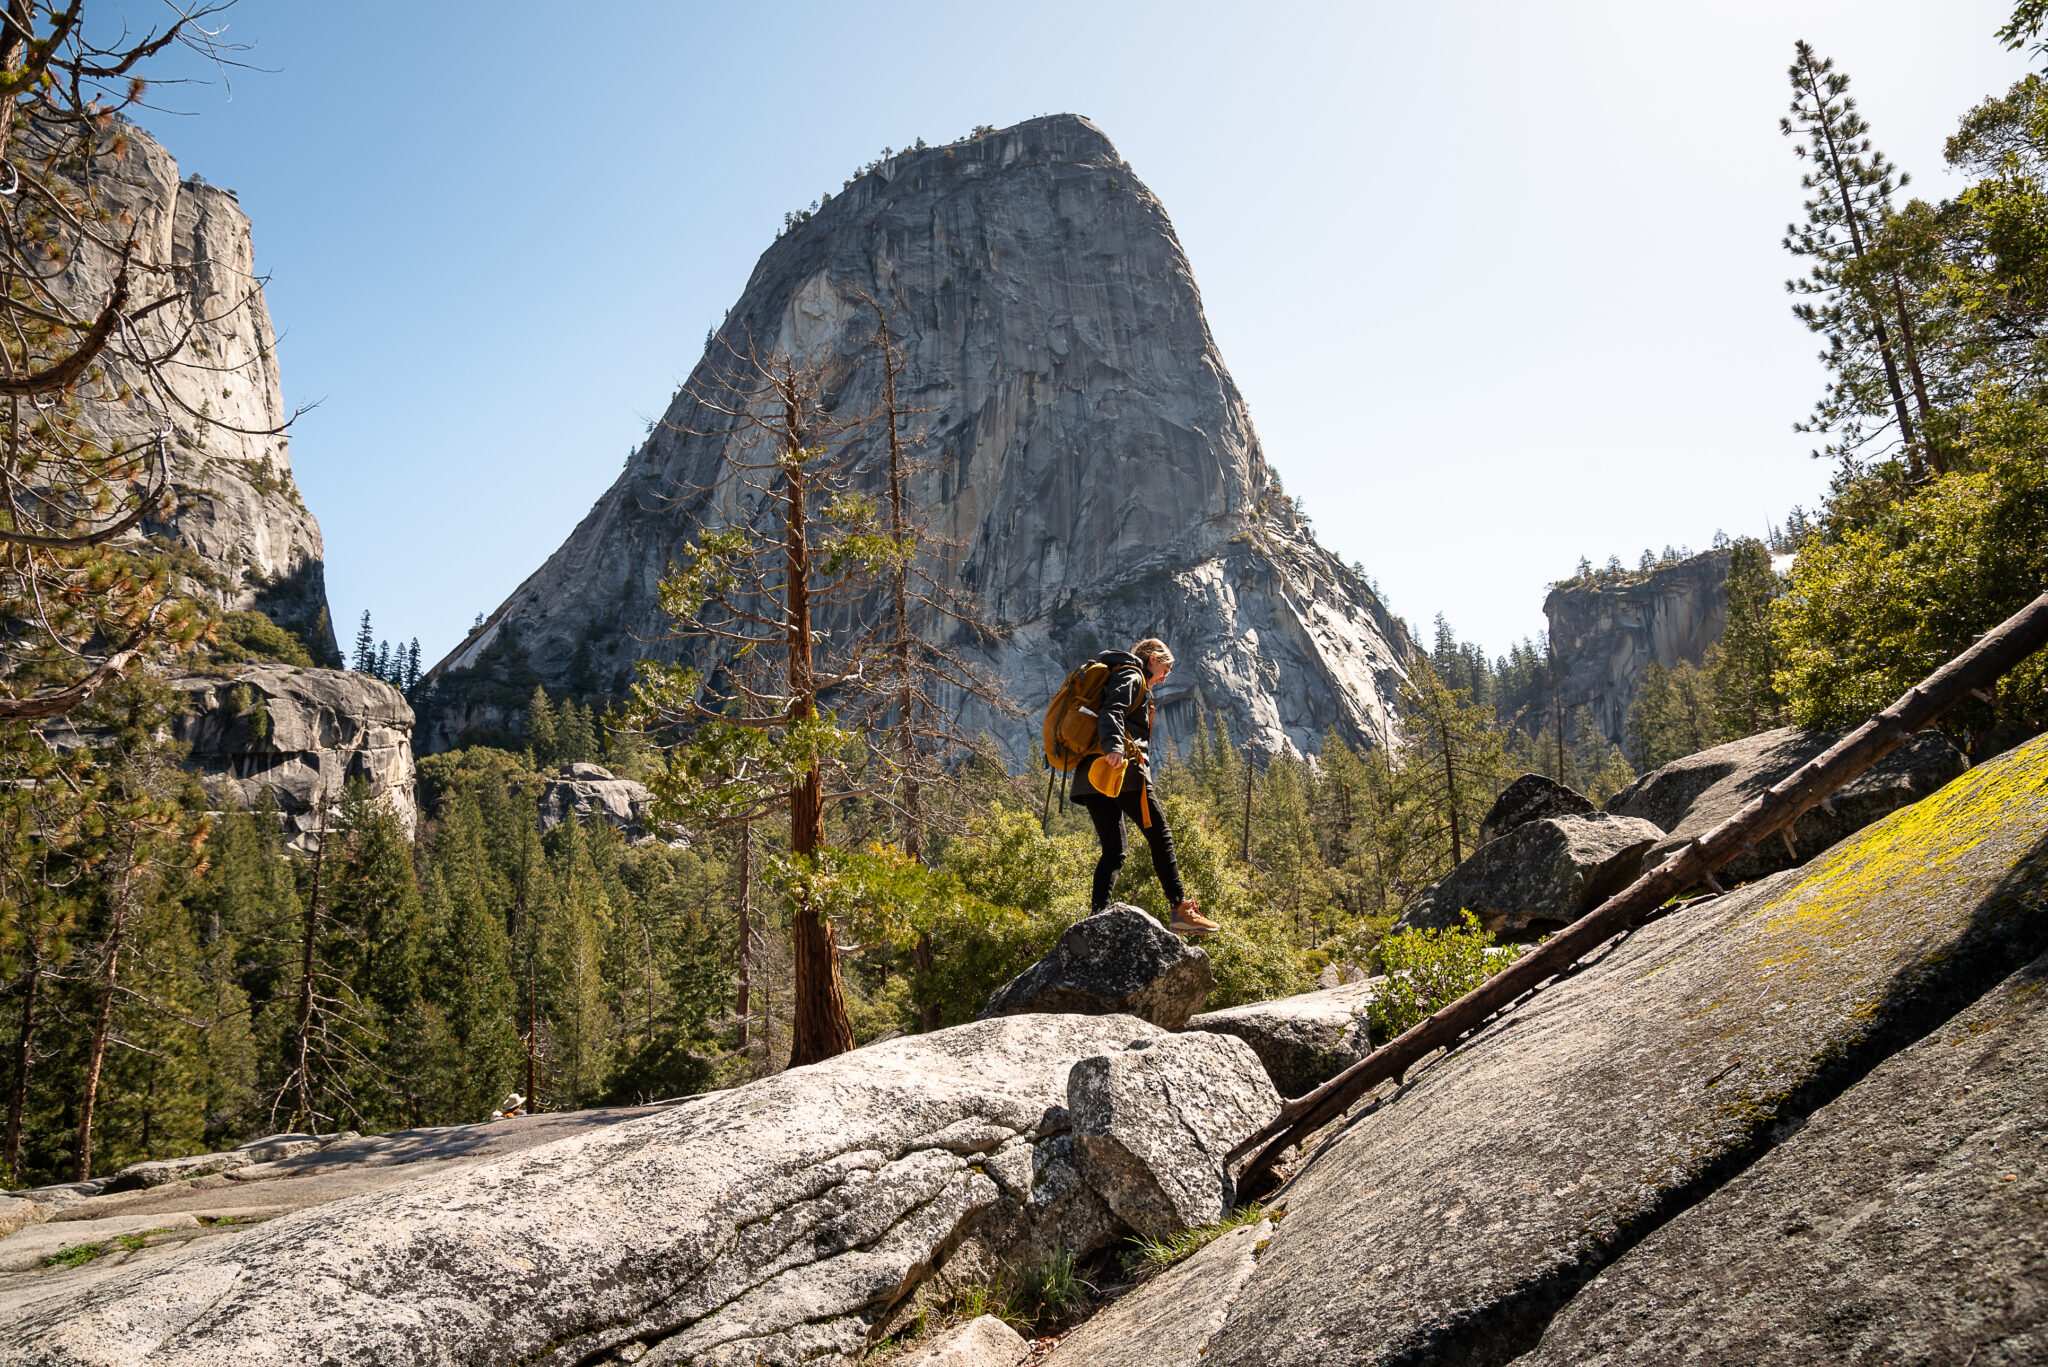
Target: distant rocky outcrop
x: 1091, y: 465
x: 1608, y: 630
x: 298, y: 736
x: 591, y: 790
x: 242, y: 535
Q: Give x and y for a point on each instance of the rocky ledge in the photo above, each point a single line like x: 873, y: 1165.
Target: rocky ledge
x: 298, y: 736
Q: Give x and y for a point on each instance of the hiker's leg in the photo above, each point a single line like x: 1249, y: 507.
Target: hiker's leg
x: 1109, y: 830
x: 1142, y: 806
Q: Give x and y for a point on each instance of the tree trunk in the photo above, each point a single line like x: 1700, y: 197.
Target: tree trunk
x: 14, y: 39
x: 819, y: 1028
x: 921, y: 958
x: 743, y: 1006
x: 24, y: 1055
x: 302, y: 1029
x: 1443, y: 731
x: 1911, y: 346
x: 1250, y: 768
x: 102, y: 1025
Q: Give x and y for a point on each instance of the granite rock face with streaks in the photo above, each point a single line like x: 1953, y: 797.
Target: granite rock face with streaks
x: 1120, y: 960
x: 1907, y: 1221
x: 237, y: 511
x: 1459, y: 1213
x: 1153, y: 1121
x: 298, y: 735
x: 1169, y: 1320
x: 1089, y: 456
x: 1689, y: 797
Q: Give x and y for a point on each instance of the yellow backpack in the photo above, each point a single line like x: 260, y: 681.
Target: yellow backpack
x: 1070, y: 716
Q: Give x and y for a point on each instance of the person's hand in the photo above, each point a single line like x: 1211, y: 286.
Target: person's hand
x: 1115, y: 759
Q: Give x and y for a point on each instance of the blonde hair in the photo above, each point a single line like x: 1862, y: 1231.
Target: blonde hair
x: 1152, y: 648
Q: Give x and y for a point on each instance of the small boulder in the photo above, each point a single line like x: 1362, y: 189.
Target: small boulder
x: 1532, y: 797
x: 982, y: 1342
x: 1154, y: 1122
x: 1118, y: 961
x: 1541, y: 875
x: 1691, y: 796
x: 1304, y: 1040
x: 17, y: 1214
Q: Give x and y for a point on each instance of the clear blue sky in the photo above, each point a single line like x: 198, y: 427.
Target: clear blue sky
x: 1501, y: 282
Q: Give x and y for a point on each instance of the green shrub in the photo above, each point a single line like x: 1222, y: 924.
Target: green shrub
x: 1427, y: 970
x: 1871, y: 610
x: 252, y: 638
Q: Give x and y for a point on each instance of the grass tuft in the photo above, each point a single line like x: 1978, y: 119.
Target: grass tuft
x: 1151, y: 1257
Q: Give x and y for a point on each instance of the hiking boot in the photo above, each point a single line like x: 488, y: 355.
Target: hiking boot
x: 1188, y: 921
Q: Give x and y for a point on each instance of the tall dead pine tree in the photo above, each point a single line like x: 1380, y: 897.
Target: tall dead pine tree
x: 785, y: 541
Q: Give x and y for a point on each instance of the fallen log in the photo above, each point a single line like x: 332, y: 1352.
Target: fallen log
x: 1772, y: 812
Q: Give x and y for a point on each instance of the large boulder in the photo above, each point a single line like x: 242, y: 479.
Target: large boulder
x: 1541, y: 875
x: 1153, y: 1122
x: 1604, y: 1123
x: 775, y: 1223
x: 298, y: 736
x: 1303, y: 1040
x: 1118, y: 961
x: 1691, y: 796
x: 1532, y: 797
x: 590, y: 790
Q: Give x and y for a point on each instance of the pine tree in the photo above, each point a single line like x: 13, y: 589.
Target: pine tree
x: 1673, y: 714
x: 1455, y: 755
x: 575, y: 736
x: 412, y: 666
x: 541, y: 736
x: 468, y: 976
x: 759, y: 739
x: 1860, y: 301
x: 364, y: 661
x: 1746, y: 698
x: 579, y: 1001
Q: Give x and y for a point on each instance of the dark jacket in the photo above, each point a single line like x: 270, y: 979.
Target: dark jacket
x: 1125, y: 716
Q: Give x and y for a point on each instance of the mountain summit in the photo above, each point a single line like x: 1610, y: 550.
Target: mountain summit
x: 1087, y: 454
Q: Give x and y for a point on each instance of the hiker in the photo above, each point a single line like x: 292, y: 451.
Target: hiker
x: 1114, y: 780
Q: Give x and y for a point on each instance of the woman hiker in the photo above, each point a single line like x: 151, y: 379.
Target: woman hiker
x: 1114, y: 781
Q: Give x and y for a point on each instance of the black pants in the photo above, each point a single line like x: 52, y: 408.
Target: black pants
x: 1108, y: 815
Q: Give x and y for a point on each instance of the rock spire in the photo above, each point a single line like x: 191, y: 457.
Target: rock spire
x: 1087, y: 455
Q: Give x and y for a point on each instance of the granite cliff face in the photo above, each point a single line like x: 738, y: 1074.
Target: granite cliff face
x: 249, y: 539
x: 1607, y: 634
x: 1089, y: 457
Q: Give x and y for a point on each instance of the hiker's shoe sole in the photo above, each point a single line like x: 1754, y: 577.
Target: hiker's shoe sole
x: 1185, y: 928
